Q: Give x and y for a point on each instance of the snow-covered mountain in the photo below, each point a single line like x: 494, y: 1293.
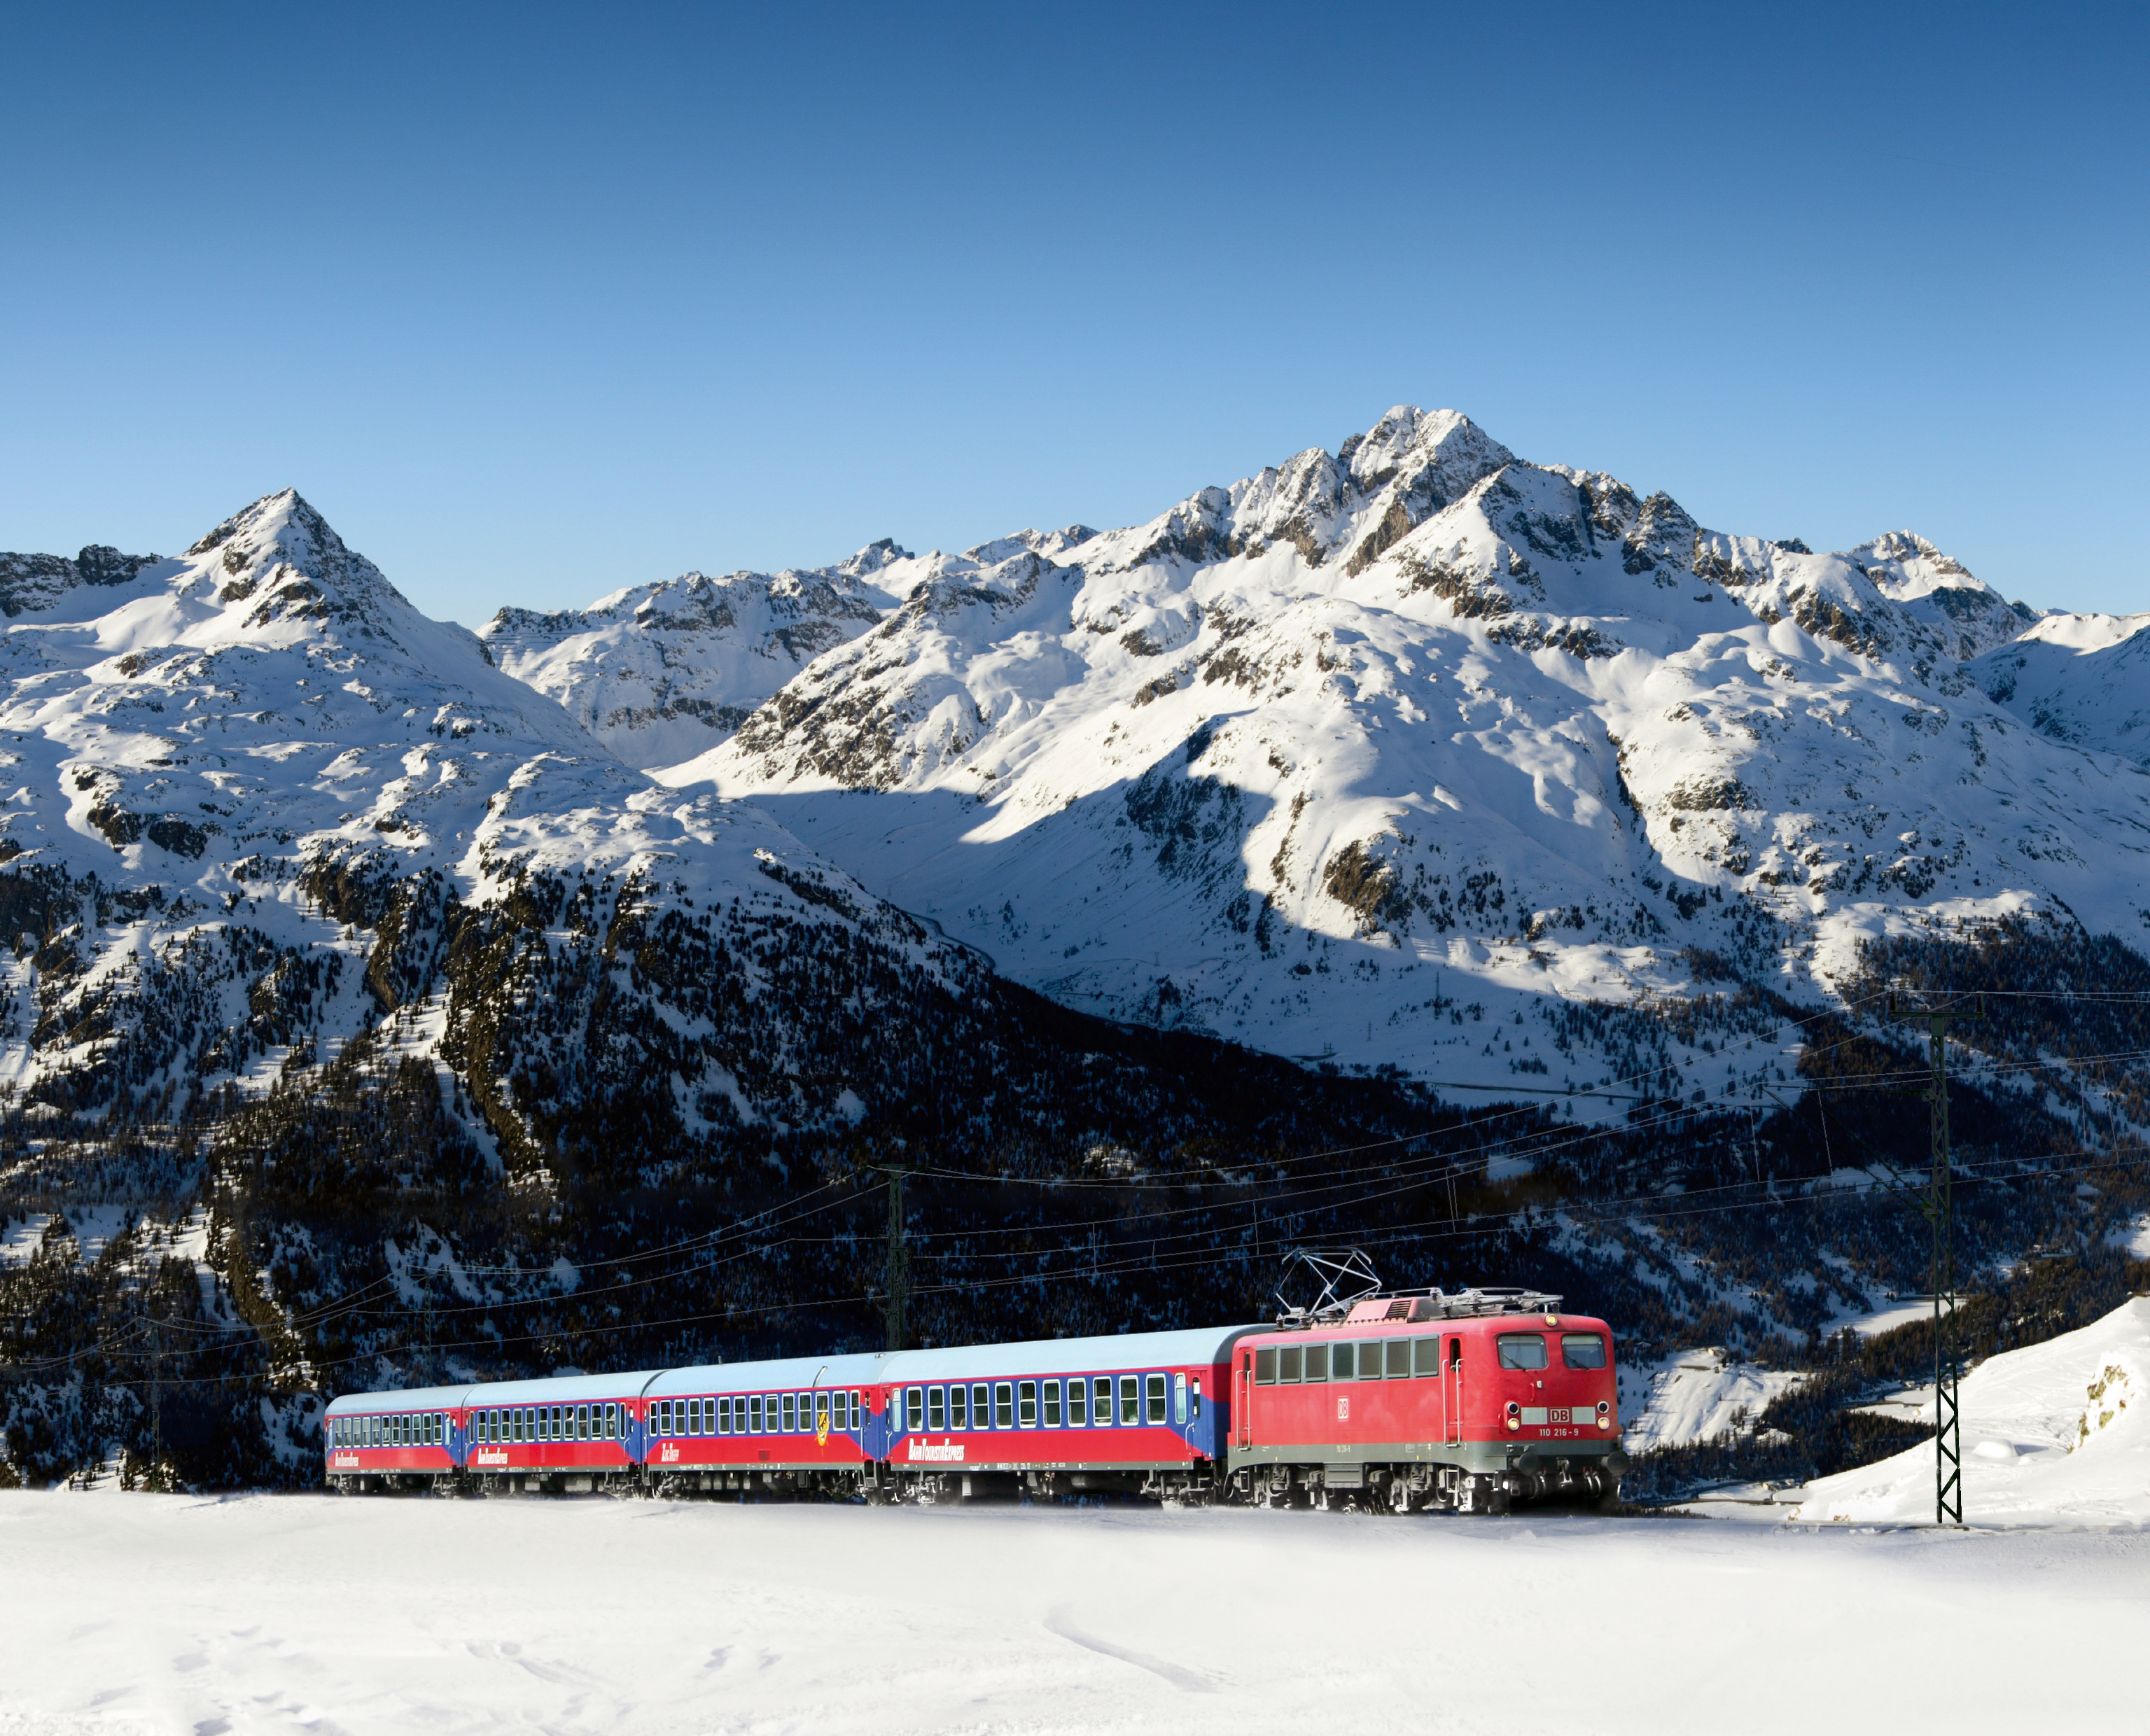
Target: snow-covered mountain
x: 2081, y: 679
x: 256, y: 802
x: 665, y: 671
x: 1417, y: 754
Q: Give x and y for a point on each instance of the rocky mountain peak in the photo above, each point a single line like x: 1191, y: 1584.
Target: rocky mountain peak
x: 282, y: 560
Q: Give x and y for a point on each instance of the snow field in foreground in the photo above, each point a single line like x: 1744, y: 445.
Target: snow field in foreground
x: 321, y: 1614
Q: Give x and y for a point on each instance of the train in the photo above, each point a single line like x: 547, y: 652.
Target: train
x: 1468, y: 1401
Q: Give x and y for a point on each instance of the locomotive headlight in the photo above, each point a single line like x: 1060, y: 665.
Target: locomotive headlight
x: 1604, y: 1415
x: 1515, y: 1416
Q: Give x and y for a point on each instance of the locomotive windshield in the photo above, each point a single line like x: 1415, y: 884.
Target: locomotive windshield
x: 1522, y: 1350
x: 1582, y: 1350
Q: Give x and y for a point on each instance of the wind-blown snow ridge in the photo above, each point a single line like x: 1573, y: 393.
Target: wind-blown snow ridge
x: 2054, y: 1434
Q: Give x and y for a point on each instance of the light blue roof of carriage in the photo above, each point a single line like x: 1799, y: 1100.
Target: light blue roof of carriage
x: 416, y: 1398
x: 564, y: 1389
x: 803, y: 1372
x: 1188, y: 1348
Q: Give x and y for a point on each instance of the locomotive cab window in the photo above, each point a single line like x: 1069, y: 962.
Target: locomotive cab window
x: 1521, y: 1349
x: 1265, y: 1367
x: 1582, y: 1350
x: 1425, y: 1357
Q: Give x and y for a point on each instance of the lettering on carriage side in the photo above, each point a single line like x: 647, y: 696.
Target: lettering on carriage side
x: 668, y: 1454
x: 345, y: 1461
x: 490, y: 1456
x: 934, y: 1452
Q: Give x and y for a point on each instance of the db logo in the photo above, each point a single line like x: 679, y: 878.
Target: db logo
x: 1343, y: 1407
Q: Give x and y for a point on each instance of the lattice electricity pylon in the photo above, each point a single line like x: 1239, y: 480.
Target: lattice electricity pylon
x: 1340, y: 1276
x: 1939, y: 1206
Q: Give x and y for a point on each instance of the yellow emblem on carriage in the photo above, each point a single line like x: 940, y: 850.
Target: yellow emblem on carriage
x: 821, y: 1426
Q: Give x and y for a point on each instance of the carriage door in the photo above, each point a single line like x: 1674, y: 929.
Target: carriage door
x: 1453, y: 1391
x: 1243, y: 1400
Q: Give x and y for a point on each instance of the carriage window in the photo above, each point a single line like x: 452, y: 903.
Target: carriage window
x: 1052, y: 1404
x: 858, y: 1414
x: 582, y: 1422
x: 1078, y: 1404
x: 1027, y: 1404
x: 981, y: 1406
x: 958, y: 1407
x: 1003, y: 1405
x: 1398, y: 1358
x: 1179, y: 1398
x: 790, y: 1402
x: 556, y: 1422
x: 1130, y: 1401
x: 1101, y: 1402
x: 1521, y: 1350
x: 936, y: 1407
x: 1582, y: 1350
x: 754, y: 1415
x: 1343, y: 1361
x: 1194, y: 1397
x: 1288, y: 1365
x: 1425, y: 1357
x: 1153, y: 1386
x: 1265, y: 1367
x: 913, y: 1414
x: 1316, y: 1366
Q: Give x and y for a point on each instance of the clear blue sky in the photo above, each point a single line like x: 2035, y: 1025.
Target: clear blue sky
x: 534, y: 303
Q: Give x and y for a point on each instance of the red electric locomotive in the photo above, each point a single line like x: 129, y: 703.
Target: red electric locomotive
x: 1468, y: 1400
